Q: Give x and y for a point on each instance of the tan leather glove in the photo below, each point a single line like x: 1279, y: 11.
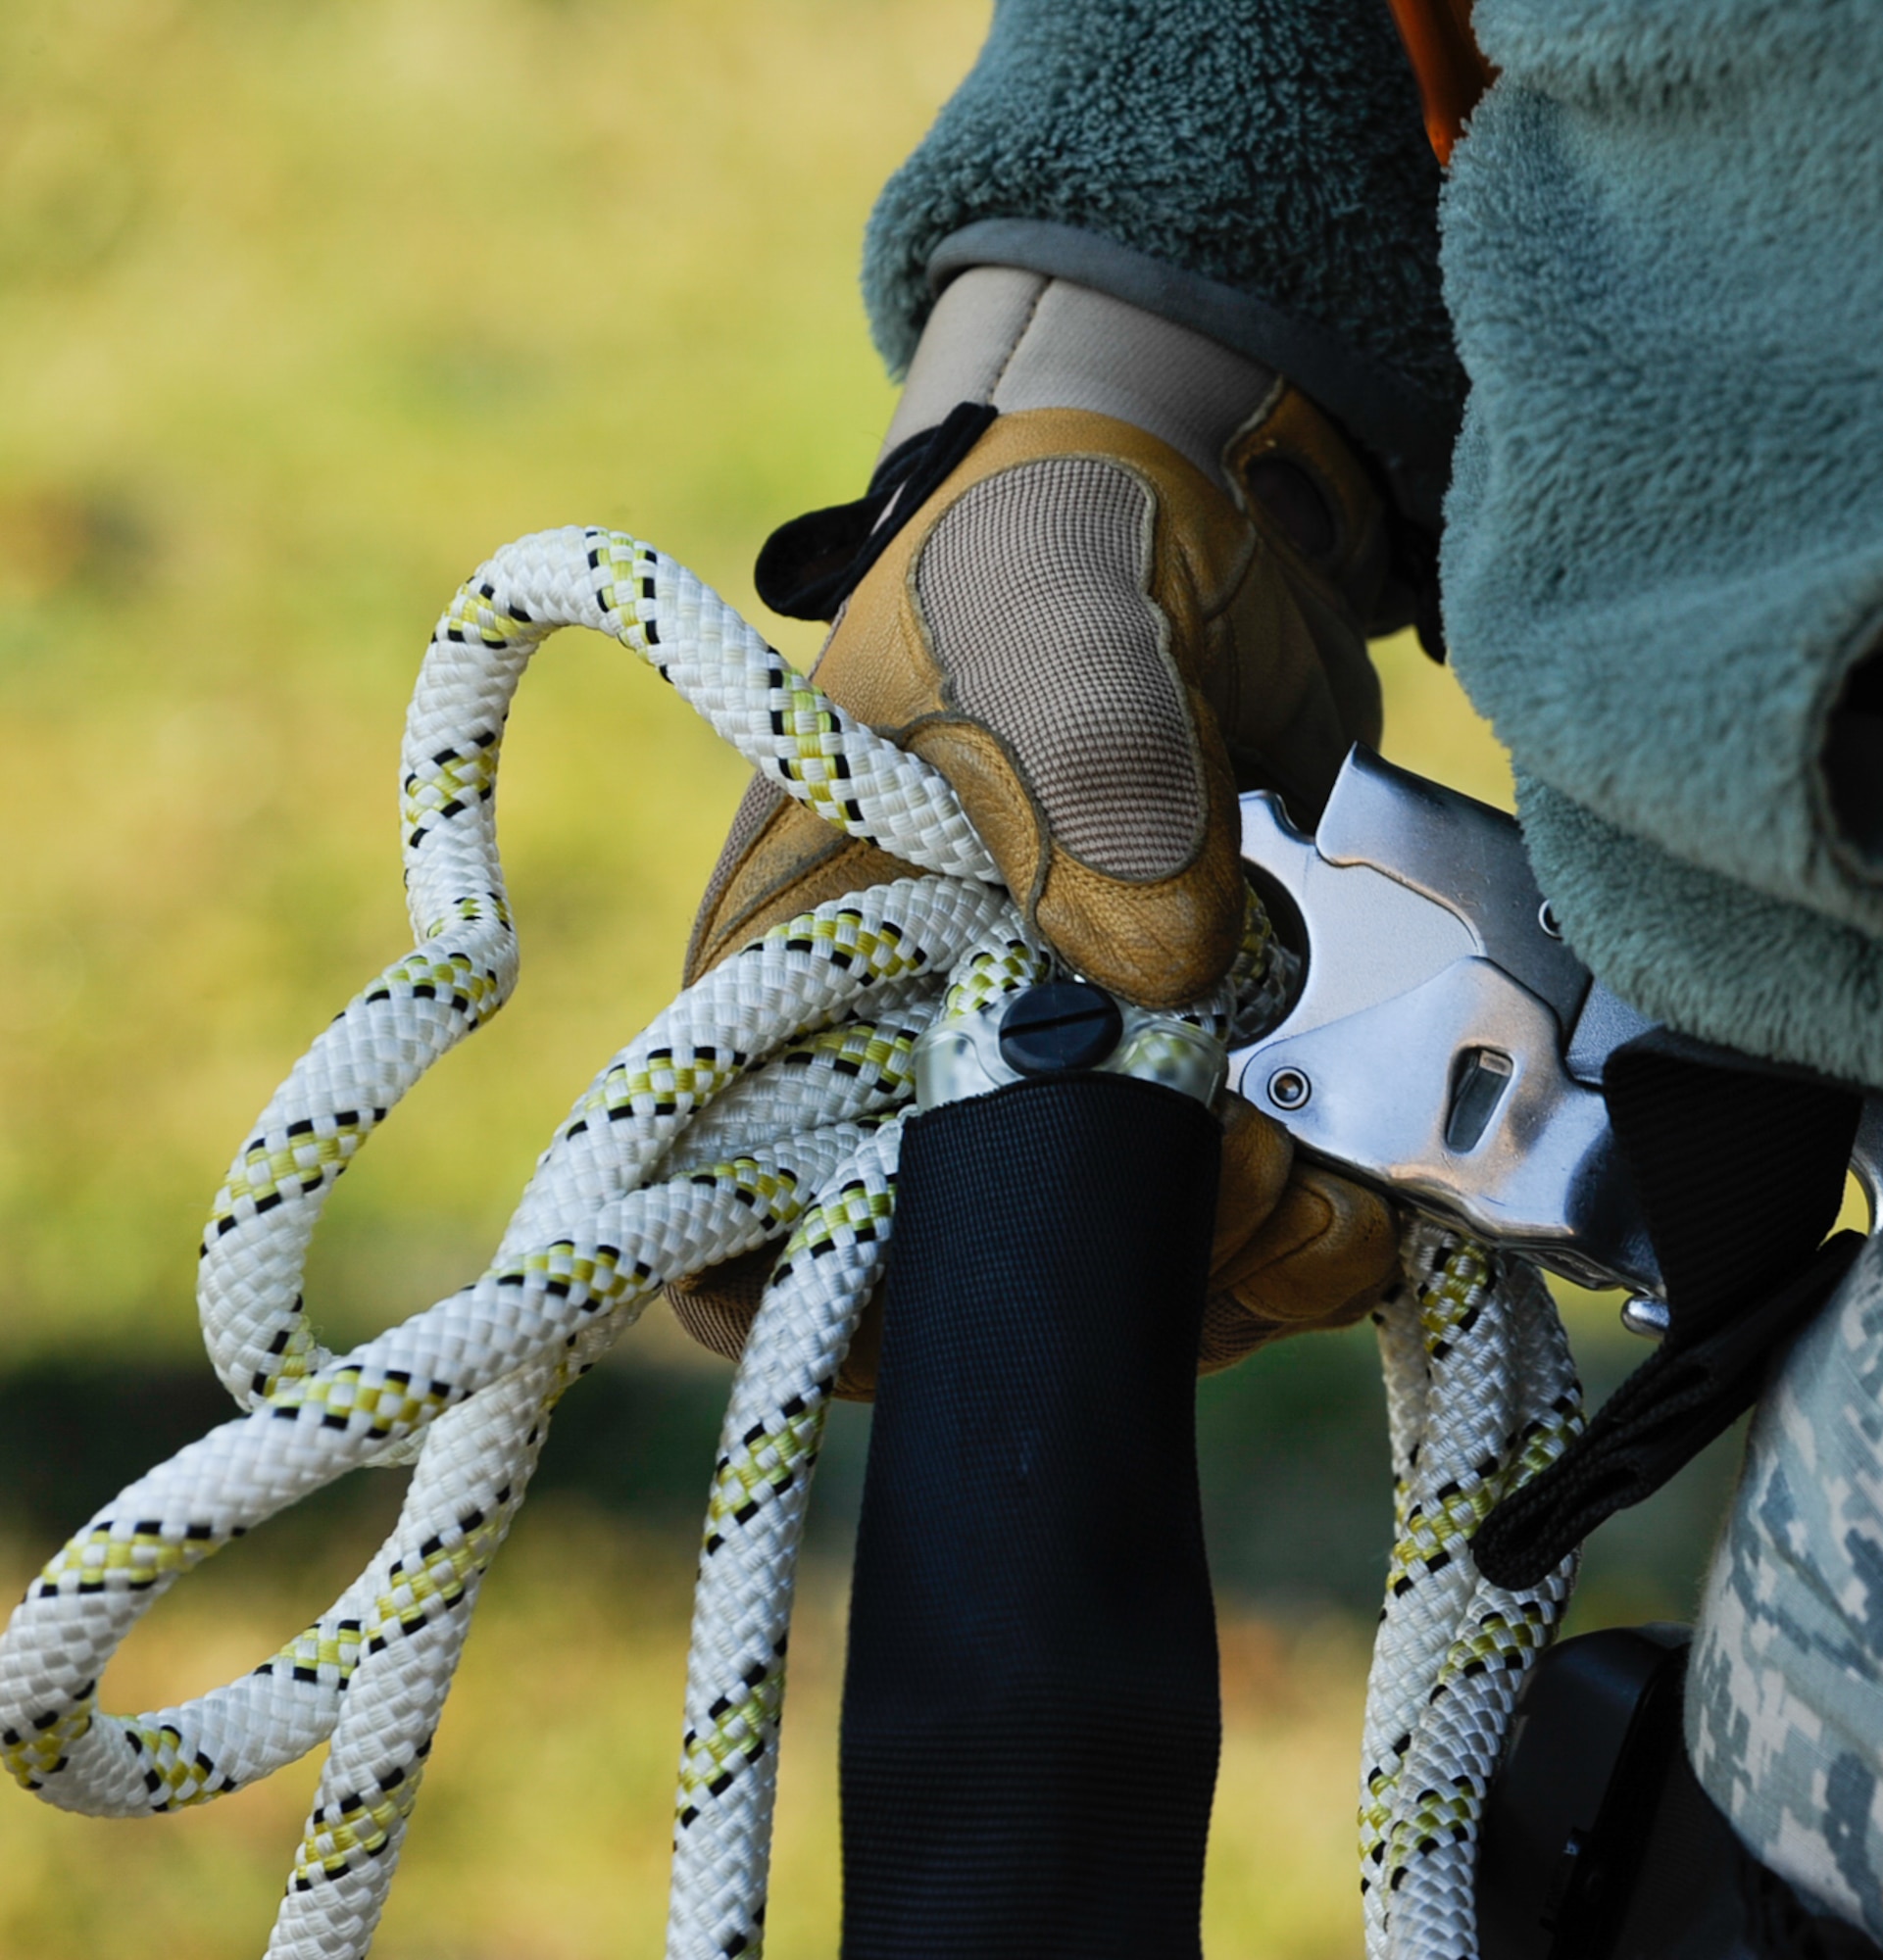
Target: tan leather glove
x: 1100, y: 627
x: 1296, y: 1248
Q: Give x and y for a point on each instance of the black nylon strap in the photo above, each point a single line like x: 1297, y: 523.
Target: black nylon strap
x: 811, y: 564
x: 1740, y: 1167
x: 1030, y: 1721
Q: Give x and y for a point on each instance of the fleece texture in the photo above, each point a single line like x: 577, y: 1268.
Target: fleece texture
x: 1273, y: 149
x: 1663, y: 551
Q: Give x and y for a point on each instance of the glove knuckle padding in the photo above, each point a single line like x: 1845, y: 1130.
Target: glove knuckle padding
x: 1098, y: 646
x: 1020, y: 636
x: 1033, y: 588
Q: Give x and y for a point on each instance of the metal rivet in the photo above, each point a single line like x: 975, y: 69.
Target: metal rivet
x: 1645, y: 1316
x: 1546, y: 918
x: 1289, y: 1089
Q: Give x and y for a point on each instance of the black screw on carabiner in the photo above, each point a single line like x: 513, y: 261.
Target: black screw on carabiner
x: 1060, y: 1025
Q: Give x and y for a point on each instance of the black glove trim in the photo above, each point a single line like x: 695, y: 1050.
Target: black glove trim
x: 811, y: 564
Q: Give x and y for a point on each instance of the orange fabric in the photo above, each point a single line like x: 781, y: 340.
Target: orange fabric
x: 1452, y: 72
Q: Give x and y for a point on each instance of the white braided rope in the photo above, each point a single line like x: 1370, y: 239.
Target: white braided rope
x: 464, y: 961
x: 748, y: 1563
x: 760, y: 1103
x: 755, y: 1519
x: 800, y: 1076
x: 1481, y: 1393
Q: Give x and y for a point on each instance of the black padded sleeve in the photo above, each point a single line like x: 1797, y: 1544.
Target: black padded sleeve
x: 1031, y: 1718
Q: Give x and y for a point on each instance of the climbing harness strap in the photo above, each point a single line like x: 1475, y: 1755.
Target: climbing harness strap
x: 1740, y: 1166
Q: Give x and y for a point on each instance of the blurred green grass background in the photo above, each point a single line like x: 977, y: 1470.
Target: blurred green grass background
x: 303, y: 309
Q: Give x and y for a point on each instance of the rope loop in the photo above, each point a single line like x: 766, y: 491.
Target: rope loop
x: 765, y: 1105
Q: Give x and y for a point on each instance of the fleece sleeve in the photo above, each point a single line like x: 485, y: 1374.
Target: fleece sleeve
x: 1663, y: 568
x: 1254, y: 169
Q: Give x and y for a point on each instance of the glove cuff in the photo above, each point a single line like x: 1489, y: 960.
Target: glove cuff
x: 1015, y: 340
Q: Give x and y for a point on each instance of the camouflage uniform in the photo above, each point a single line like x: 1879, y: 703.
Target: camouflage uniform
x: 1785, y: 1696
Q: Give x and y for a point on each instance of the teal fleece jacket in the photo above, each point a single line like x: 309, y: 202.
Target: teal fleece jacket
x: 1662, y: 566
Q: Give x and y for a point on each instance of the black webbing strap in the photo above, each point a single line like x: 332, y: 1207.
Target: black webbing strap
x: 811, y: 564
x: 1739, y: 1168
x: 1030, y: 1717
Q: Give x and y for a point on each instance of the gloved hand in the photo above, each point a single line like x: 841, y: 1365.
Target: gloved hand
x: 1143, y: 588
x: 1296, y: 1248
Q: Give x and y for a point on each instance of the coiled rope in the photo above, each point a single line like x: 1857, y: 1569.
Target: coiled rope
x: 764, y: 1103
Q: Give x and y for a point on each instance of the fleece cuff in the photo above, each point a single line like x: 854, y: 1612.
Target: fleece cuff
x: 1274, y: 148
x: 1703, y: 953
